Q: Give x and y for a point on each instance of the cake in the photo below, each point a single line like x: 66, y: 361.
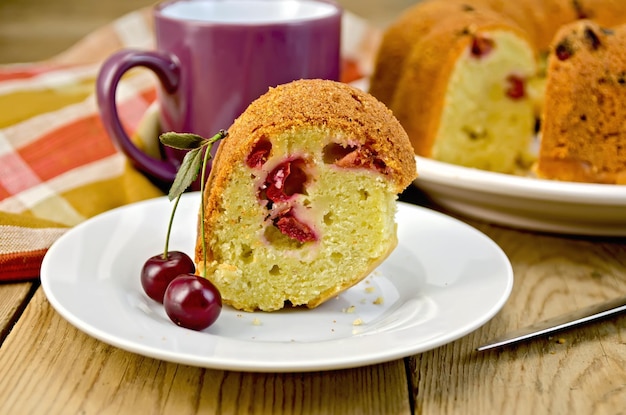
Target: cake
x: 301, y: 198
x: 467, y: 78
x: 583, y: 132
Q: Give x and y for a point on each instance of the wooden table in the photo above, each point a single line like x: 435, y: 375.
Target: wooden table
x: 49, y: 367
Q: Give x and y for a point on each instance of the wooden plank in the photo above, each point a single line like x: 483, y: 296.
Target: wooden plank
x: 13, y: 298
x: 580, y: 371
x: 48, y: 366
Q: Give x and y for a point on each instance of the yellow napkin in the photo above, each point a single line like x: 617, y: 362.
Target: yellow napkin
x: 58, y: 167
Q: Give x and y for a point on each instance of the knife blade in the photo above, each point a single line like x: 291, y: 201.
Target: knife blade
x: 559, y: 323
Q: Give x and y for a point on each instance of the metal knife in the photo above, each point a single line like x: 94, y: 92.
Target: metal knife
x: 560, y: 323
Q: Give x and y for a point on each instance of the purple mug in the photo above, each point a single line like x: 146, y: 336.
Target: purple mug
x: 213, y: 58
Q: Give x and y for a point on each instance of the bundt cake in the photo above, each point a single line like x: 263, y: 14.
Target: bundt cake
x: 300, y: 201
x: 584, y: 131
x: 466, y: 78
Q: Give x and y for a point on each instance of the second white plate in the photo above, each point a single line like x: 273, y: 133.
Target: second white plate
x: 523, y: 202
x: 444, y: 280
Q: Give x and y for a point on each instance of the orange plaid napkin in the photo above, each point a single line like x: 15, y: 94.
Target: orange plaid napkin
x: 58, y: 167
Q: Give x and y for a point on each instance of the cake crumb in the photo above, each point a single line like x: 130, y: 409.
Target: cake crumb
x: 256, y: 322
x: 561, y: 340
x: 370, y: 289
x: 349, y: 310
x: 379, y: 300
x: 357, y: 322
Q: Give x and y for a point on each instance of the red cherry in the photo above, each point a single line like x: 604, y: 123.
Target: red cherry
x: 259, y: 154
x: 287, y: 179
x: 516, y: 87
x: 563, y: 51
x: 364, y: 157
x: 481, y: 46
x: 192, y: 302
x: 291, y: 226
x: 158, y: 272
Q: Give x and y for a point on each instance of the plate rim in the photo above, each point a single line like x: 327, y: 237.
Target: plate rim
x: 435, y: 171
x: 274, y: 366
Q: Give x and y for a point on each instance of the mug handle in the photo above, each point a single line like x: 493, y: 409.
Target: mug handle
x: 167, y: 69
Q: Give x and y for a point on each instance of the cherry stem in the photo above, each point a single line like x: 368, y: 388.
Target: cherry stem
x: 169, y: 227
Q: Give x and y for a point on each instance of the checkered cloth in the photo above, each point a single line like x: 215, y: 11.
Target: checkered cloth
x: 58, y: 167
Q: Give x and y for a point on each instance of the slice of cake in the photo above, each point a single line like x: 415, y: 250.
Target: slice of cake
x: 301, y: 198
x: 583, y: 137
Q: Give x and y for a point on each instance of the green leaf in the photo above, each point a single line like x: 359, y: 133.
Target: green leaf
x: 182, y: 141
x: 187, y: 172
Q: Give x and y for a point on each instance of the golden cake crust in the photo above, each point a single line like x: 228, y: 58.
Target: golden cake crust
x: 583, y: 122
x: 606, y: 13
x: 335, y: 105
x: 545, y: 19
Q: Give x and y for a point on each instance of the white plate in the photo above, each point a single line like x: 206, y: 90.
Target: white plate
x: 444, y: 280
x: 524, y: 202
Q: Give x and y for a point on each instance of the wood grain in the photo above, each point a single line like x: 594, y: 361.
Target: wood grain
x: 48, y: 366
x: 580, y: 371
x: 13, y: 300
